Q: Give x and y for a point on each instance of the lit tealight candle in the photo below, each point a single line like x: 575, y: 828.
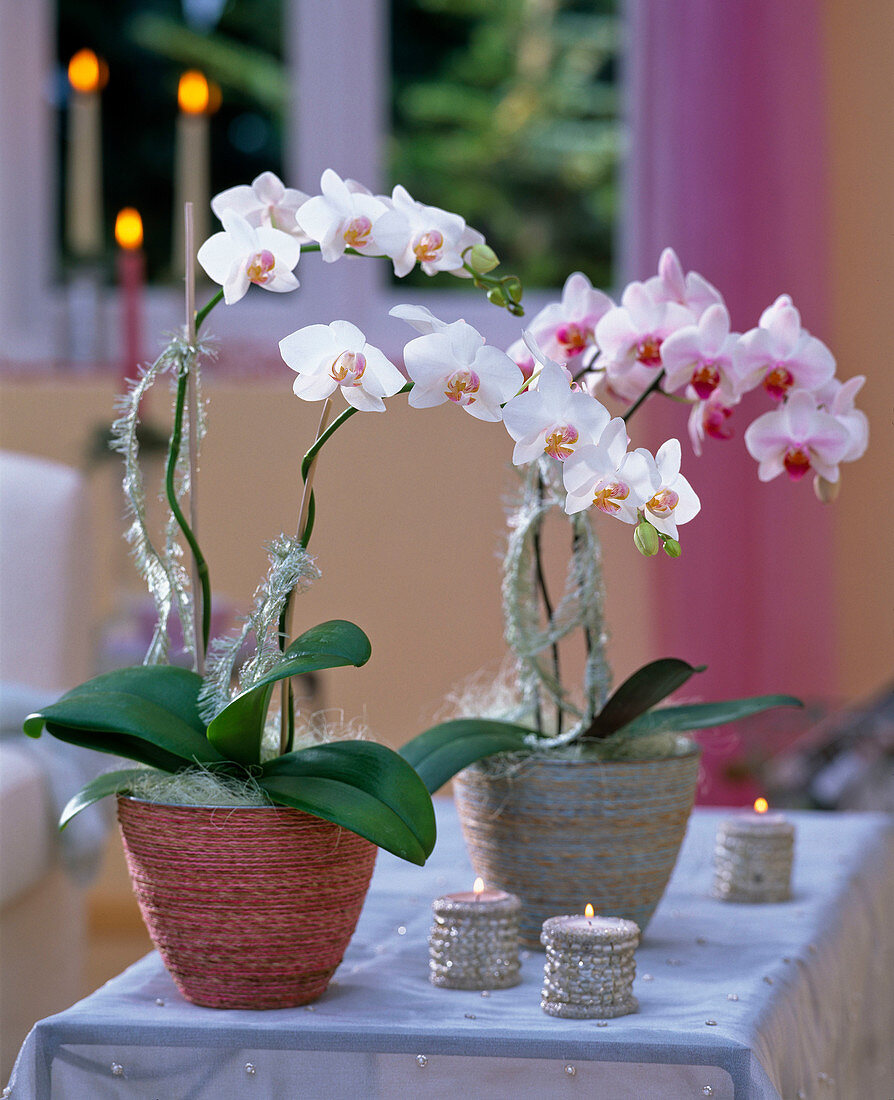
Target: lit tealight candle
x: 87, y: 75
x: 198, y: 100
x: 131, y: 275
x: 590, y: 966
x: 473, y: 942
x: 753, y: 856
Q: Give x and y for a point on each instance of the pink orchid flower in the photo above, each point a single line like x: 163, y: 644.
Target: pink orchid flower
x: 701, y: 355
x: 796, y: 438
x: 780, y: 355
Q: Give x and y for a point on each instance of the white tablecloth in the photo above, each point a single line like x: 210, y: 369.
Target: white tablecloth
x: 789, y: 1000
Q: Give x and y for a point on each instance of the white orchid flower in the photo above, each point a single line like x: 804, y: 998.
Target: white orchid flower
x: 412, y: 233
x: 672, y: 500
x: 454, y: 364
x: 419, y: 318
x: 606, y: 476
x: 266, y: 202
x: 337, y: 356
x: 341, y: 218
x: 780, y: 355
x: 552, y: 418
x: 244, y: 254
x: 796, y: 438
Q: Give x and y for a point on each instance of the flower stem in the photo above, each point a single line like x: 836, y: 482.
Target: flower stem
x: 651, y: 388
x: 170, y: 491
x: 207, y: 307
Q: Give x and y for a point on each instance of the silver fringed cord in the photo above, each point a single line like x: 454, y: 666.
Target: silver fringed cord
x: 580, y: 607
x: 474, y: 944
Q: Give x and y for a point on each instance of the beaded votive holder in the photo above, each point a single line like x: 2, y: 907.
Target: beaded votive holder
x: 473, y: 942
x: 753, y: 859
x: 589, y: 968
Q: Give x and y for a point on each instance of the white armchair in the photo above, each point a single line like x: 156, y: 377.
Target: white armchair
x: 44, y: 650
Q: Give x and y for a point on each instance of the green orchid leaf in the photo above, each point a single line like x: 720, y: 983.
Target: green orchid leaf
x: 348, y: 806
x: 238, y: 729
x: 697, y: 716
x: 131, y: 713
x: 103, y: 785
x: 639, y: 693
x: 442, y: 751
x: 174, y: 688
x: 371, y: 768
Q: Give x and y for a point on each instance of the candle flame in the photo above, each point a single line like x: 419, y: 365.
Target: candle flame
x: 761, y: 805
x: 192, y: 93
x: 589, y: 911
x: 87, y: 72
x: 478, y: 886
x: 129, y: 229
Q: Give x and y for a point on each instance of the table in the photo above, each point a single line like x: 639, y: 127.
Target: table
x: 736, y: 1001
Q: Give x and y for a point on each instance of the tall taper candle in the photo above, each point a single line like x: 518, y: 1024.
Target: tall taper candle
x: 131, y: 267
x: 87, y: 75
x: 192, y: 161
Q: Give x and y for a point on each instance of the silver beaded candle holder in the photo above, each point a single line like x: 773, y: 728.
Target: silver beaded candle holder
x: 753, y: 858
x: 589, y: 968
x: 473, y: 942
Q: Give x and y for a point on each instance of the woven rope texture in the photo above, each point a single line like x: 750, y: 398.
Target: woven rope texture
x: 563, y: 833
x: 249, y: 908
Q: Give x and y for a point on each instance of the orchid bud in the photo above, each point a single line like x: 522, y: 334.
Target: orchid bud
x: 482, y: 259
x: 513, y: 288
x: 645, y: 539
x: 497, y: 296
x: 826, y: 491
x: 672, y: 548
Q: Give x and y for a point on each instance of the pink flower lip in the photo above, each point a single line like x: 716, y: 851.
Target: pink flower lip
x: 705, y: 379
x: 572, y: 338
x: 648, y: 351
x: 796, y: 462
x: 778, y: 381
x: 357, y: 232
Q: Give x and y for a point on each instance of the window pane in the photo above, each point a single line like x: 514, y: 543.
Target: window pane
x: 147, y: 45
x: 506, y: 112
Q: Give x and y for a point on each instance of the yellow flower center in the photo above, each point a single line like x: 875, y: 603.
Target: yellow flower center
x: 260, y: 267
x: 428, y: 246
x: 462, y: 386
x: 347, y: 369
x: 663, y: 503
x: 796, y: 462
x: 560, y: 442
x: 607, y: 494
x: 357, y: 233
x: 648, y: 351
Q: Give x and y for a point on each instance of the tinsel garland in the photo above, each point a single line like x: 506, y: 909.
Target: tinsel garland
x: 291, y: 569
x: 162, y: 569
x: 581, y: 605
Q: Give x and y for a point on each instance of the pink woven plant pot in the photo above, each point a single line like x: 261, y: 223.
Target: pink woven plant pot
x: 249, y: 908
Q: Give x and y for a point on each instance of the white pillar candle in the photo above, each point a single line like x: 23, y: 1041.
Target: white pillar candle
x: 83, y: 208
x: 753, y: 854
x: 473, y: 942
x: 590, y: 966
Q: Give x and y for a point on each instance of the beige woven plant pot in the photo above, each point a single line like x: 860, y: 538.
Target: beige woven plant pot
x: 249, y: 908
x: 561, y: 833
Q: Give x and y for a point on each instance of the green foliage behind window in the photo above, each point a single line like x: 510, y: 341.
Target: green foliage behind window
x: 506, y: 111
